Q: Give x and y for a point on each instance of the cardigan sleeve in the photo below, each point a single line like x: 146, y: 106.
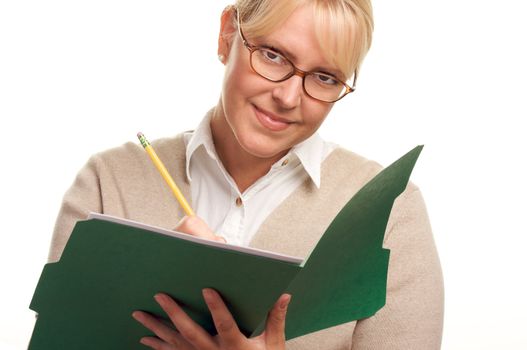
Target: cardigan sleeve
x: 413, y: 315
x: 83, y: 197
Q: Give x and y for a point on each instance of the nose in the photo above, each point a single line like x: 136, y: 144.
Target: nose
x: 289, y: 92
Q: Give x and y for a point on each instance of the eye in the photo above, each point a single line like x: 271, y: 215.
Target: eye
x: 325, y: 79
x: 272, y: 56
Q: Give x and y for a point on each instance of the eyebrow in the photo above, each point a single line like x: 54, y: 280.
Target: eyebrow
x: 284, y: 52
x: 291, y: 56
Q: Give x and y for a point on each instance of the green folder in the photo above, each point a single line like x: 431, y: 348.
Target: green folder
x: 110, y: 269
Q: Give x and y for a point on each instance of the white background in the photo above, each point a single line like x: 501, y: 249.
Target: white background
x: 77, y: 77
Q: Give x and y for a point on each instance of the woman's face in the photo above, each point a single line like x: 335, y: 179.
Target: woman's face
x: 266, y: 118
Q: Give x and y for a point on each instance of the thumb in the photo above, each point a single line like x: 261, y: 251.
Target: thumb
x: 275, y: 326
x: 195, y: 226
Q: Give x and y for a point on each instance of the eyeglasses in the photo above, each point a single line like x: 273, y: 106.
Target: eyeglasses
x: 275, y: 67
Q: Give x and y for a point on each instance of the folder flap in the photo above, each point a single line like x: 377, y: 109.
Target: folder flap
x: 344, y: 278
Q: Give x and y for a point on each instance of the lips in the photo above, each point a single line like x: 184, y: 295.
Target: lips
x: 271, y: 121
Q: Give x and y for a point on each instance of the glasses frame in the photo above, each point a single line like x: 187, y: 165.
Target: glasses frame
x: 296, y: 71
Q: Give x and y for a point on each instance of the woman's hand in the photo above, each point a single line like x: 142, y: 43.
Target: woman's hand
x: 190, y: 336
x: 195, y: 226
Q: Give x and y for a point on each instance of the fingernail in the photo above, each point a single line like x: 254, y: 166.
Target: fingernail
x: 285, y: 302
x: 160, y: 298
x: 207, y: 293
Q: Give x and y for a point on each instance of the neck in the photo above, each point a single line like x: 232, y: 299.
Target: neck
x: 244, y: 167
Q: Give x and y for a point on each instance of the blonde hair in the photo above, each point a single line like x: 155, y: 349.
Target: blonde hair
x: 344, y: 27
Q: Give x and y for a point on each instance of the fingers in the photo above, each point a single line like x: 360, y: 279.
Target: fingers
x: 158, y: 344
x: 275, y: 326
x: 188, y: 329
x: 223, y: 321
x: 191, y: 335
x: 195, y: 226
x: 164, y: 332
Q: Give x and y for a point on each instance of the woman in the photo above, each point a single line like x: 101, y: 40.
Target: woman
x: 256, y: 162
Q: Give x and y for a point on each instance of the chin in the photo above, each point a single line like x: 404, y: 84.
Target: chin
x: 262, y: 148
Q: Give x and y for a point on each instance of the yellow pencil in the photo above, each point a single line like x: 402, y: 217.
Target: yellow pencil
x: 164, y: 173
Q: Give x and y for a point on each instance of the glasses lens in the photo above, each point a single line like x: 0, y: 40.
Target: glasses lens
x: 271, y: 64
x: 324, y: 87
x: 275, y: 67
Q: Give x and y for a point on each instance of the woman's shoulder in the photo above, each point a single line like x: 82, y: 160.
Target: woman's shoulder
x: 129, y: 162
x: 172, y: 148
x: 345, y: 166
x: 350, y: 161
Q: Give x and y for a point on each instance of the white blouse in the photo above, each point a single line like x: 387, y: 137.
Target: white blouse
x: 216, y: 199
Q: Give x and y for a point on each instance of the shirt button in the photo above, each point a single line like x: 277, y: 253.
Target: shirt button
x: 285, y: 162
x: 239, y: 202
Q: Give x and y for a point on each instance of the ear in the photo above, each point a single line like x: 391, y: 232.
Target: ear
x: 227, y: 32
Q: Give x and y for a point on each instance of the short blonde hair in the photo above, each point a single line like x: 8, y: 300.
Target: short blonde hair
x: 344, y: 27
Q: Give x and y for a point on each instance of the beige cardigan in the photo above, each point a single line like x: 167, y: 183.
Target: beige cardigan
x: 123, y: 182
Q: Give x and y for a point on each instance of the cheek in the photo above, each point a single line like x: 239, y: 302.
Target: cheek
x: 229, y: 81
x: 235, y: 90
x: 238, y: 78
x: 315, y: 113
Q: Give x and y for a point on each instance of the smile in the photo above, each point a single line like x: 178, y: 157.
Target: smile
x: 270, y: 121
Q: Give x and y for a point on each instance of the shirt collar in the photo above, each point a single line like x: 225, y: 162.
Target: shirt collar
x: 309, y: 152
x: 202, y: 136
